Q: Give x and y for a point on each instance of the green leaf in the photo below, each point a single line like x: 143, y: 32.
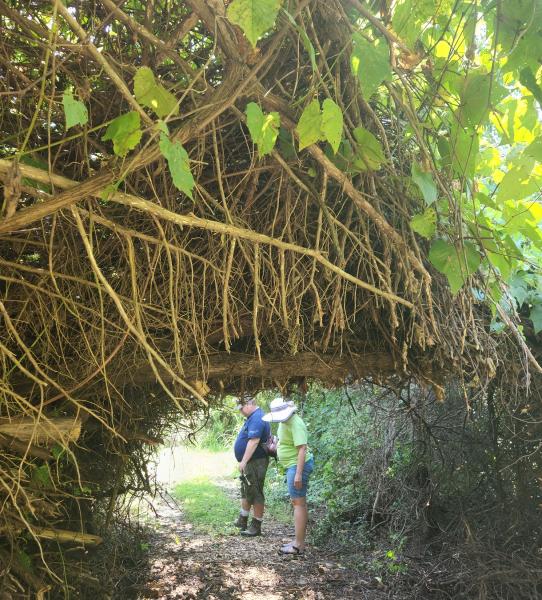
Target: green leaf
x: 178, y: 163
x: 125, y: 133
x: 519, y: 288
x: 463, y: 151
x: 332, y: 123
x: 456, y: 264
x: 369, y: 154
x: 254, y: 17
x: 534, y: 150
x: 152, y: 94
x: 479, y: 92
x: 527, y: 79
x: 425, y: 224
x: 309, y: 127
x: 74, y: 110
x: 518, y: 183
x: 263, y: 128
x: 424, y: 180
x: 370, y: 63
x: 536, y: 317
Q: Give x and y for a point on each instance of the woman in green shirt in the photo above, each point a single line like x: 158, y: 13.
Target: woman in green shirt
x: 296, y: 458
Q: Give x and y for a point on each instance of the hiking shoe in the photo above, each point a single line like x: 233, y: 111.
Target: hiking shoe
x: 254, y: 529
x: 242, y: 522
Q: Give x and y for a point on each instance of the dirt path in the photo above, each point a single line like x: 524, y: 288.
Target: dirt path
x: 187, y: 564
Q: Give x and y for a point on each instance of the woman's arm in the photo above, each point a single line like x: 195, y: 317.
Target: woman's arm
x: 301, y: 453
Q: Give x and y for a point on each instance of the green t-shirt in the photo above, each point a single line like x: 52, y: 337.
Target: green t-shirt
x: 291, y: 433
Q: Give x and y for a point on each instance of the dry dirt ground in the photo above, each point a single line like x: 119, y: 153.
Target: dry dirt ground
x: 187, y: 564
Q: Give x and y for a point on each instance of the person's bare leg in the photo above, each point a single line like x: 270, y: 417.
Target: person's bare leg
x: 245, y: 504
x: 258, y: 511
x: 300, y: 521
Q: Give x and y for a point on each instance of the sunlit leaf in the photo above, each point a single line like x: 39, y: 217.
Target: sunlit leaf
x: 534, y: 150
x: 425, y: 224
x: 254, y: 17
x: 332, y: 123
x: 263, y: 128
x: 517, y: 182
x: 153, y: 95
x: 125, y: 133
x: 74, y: 110
x: 370, y: 63
x: 309, y: 127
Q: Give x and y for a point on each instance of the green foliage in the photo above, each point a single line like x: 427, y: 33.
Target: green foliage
x: 456, y: 263
x: 221, y: 427
x: 332, y: 123
x: 263, y: 128
x: 124, y: 132
x: 74, y: 110
x: 424, y: 180
x: 154, y: 95
x: 309, y: 127
x: 179, y: 164
x: 425, y: 224
x: 320, y: 125
x: 255, y: 17
x: 370, y: 64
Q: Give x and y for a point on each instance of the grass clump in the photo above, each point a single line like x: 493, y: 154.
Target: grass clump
x: 206, y: 506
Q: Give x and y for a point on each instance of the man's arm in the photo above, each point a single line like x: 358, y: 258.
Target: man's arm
x: 301, y: 453
x: 252, y: 444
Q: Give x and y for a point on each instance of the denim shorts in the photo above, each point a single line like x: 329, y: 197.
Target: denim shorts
x: 290, y: 475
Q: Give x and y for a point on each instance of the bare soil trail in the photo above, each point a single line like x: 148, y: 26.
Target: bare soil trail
x: 188, y: 564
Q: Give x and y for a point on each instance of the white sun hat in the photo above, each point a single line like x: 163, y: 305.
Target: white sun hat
x: 281, y: 410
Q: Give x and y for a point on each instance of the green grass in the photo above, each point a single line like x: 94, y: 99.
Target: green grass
x: 206, y: 506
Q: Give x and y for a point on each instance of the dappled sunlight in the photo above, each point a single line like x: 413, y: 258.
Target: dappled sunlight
x: 193, y: 554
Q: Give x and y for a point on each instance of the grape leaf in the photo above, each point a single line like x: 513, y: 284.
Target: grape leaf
x: 254, y: 17
x: 332, y: 123
x: 424, y: 180
x: 425, y: 224
x: 179, y: 164
x: 370, y: 64
x: 125, y: 133
x: 456, y: 264
x: 74, y: 110
x: 152, y: 94
x: 263, y: 128
x: 309, y: 127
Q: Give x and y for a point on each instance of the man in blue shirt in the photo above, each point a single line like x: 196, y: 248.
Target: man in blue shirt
x: 253, y: 462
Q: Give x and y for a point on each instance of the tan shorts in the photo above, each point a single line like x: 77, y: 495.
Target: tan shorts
x: 255, y: 473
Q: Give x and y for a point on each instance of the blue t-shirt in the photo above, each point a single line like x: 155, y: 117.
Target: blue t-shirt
x: 253, y: 427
